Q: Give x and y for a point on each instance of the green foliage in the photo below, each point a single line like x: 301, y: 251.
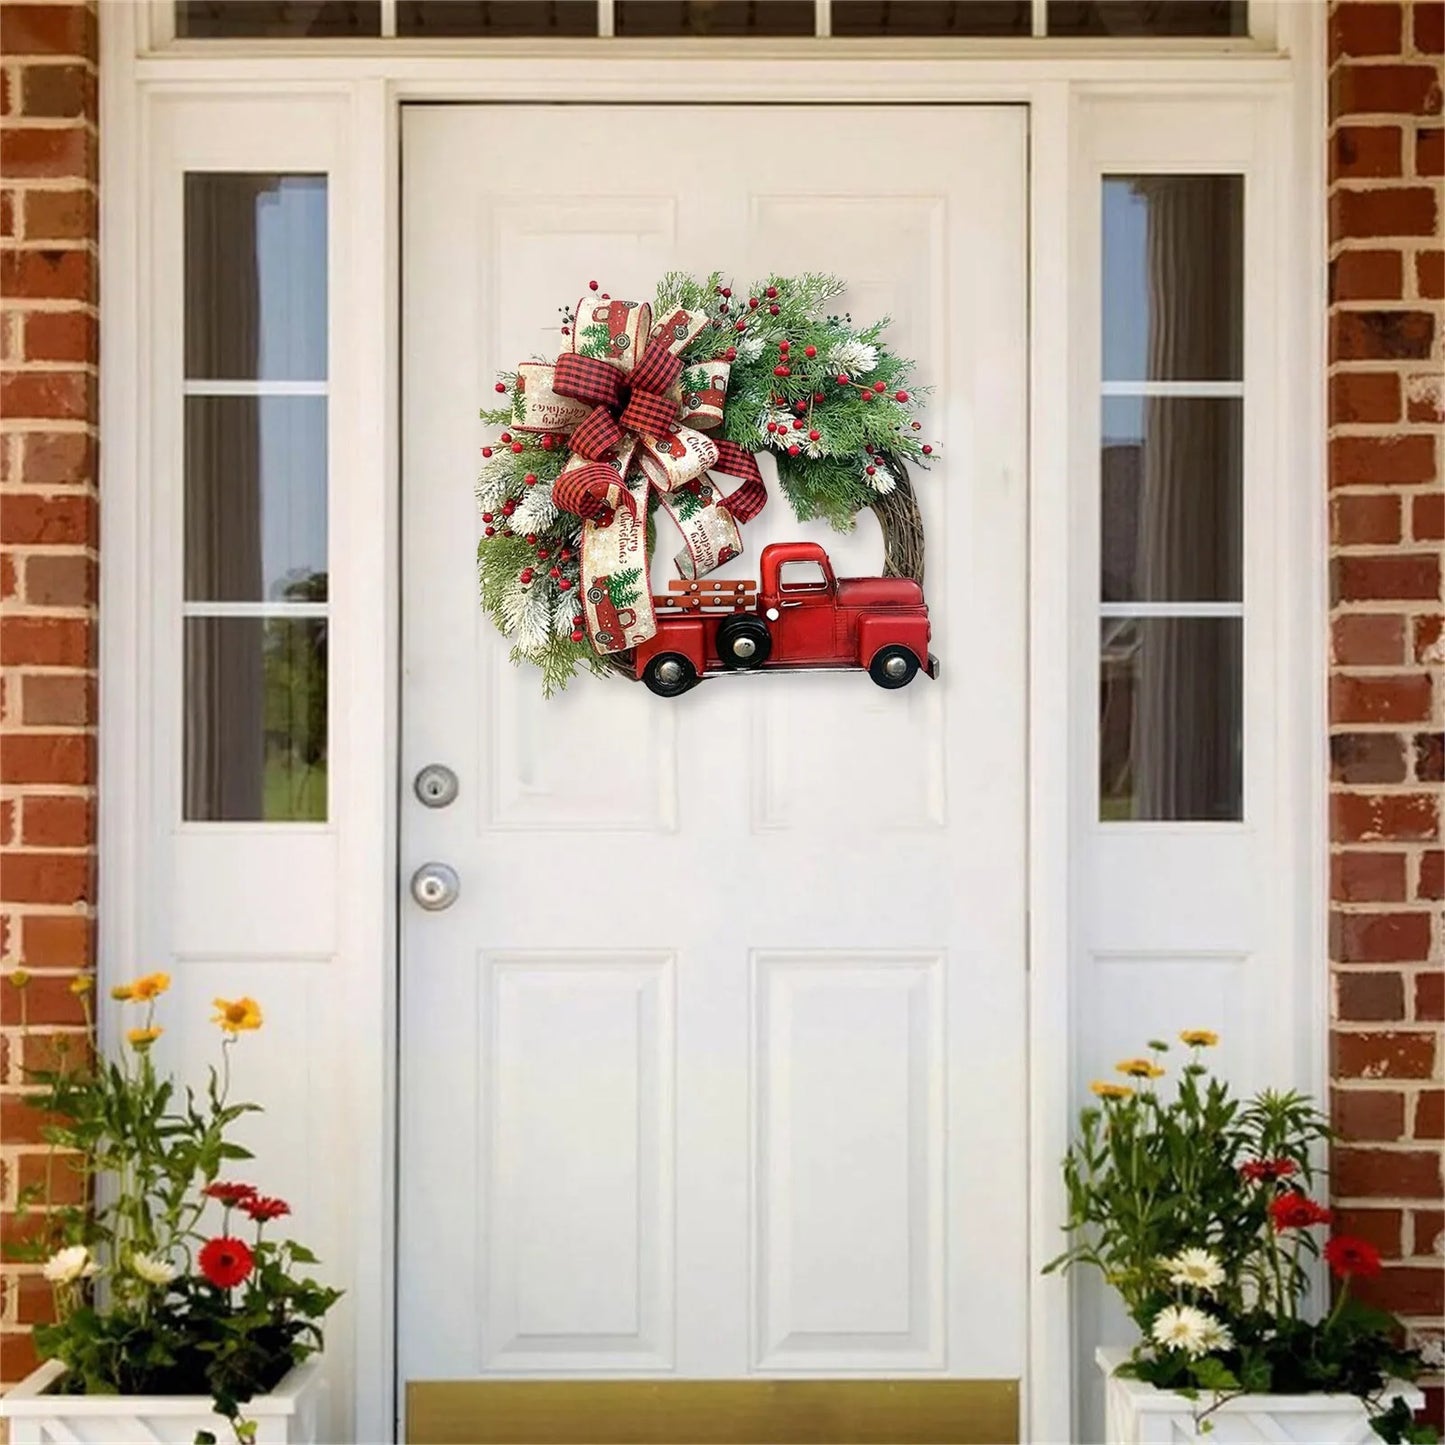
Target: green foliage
x: 1153, y: 1179
x: 622, y: 586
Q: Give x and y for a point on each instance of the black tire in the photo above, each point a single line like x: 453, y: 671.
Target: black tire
x: 891, y: 676
x: 652, y: 675
x: 743, y: 642
x: 595, y: 594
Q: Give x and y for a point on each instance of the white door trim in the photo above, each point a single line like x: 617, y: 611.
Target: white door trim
x: 367, y: 88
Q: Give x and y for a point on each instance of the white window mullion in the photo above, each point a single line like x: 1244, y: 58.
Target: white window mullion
x: 254, y: 609
x: 607, y: 17
x: 1171, y: 609
x: 1040, y: 25
x: 822, y: 18
x: 208, y: 387
x: 1172, y: 388
x: 388, y: 19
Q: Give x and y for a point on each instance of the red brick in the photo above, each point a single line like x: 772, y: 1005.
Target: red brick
x: 1398, y: 1055
x: 1398, y: 698
x: 1362, y: 152
x: 1361, y: 877
x: 56, y: 1048
x: 1359, y: 998
x: 1357, y: 758
x: 61, y: 878
x: 1432, y: 874
x: 1430, y: 273
x: 1379, y: 579
x: 37, y: 153
x: 17, y: 1351
x: 47, y: 521
x: 1405, y: 1290
x: 1430, y: 1111
x: 65, y: 214
x: 1426, y: 636
x: 1365, y: 396
x: 57, y: 701
x: 46, y: 999
x: 9, y: 577
x: 1427, y: 517
x: 49, y: 395
x: 57, y: 91
x: 1382, y: 211
x: 1387, y: 817
x: 1357, y: 29
x: 1384, y: 89
x: 61, y: 336
x: 1382, y: 1227
x: 57, y: 459
x: 58, y: 940
x: 47, y: 30
x: 1429, y: 750
x: 1367, y: 639
x: 34, y: 1299
x: 1429, y: 27
x: 1385, y: 1173
x: 1380, y: 937
x: 1425, y: 398
x: 7, y: 209
x: 56, y: 1173
x: 7, y: 827
x: 47, y: 758
x: 58, y: 822
x: 59, y: 581
x: 20, y: 1120
x: 1362, y: 520
x: 1429, y: 152
x: 1406, y: 459
x: 45, y: 641
x: 1381, y: 335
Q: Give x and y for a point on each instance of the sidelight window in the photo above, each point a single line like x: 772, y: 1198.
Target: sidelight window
x: 255, y: 498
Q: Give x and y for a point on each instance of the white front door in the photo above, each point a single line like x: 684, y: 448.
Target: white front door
x: 717, y: 1066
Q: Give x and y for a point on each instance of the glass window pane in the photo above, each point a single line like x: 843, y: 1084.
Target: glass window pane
x: 1171, y: 718
x: 932, y: 17
x: 496, y: 17
x: 255, y: 499
x: 715, y: 17
x: 1148, y: 17
x: 1173, y: 278
x: 270, y: 19
x: 255, y: 277
x: 255, y: 719
x: 1172, y: 474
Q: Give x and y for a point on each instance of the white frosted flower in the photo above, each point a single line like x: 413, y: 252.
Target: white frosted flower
x: 1181, y: 1327
x: 749, y: 348
x: 855, y: 357
x: 68, y: 1265
x: 882, y: 481
x: 1216, y: 1335
x: 151, y: 1269
x: 536, y: 511
x: 527, y: 615
x: 1197, y: 1268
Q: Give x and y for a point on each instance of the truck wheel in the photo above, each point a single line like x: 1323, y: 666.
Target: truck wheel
x: 669, y: 673
x: 743, y: 642
x: 893, y: 667
x: 595, y: 595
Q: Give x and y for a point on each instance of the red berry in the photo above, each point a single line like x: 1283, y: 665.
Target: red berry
x: 518, y: 447
x: 772, y: 426
x: 566, y: 332
x: 577, y: 620
x: 548, y: 443
x: 740, y: 326
x: 501, y: 386
x: 800, y: 407
x: 563, y: 585
x: 900, y: 396
x: 591, y: 285
x: 867, y: 396
x: 785, y: 346
x: 771, y: 292
x: 814, y: 435
x: 506, y: 436
x: 798, y: 425
x: 530, y: 480
x: 508, y: 508
x: 491, y: 531
x: 752, y: 303
x: 927, y: 450
x: 486, y: 451
x: 817, y: 396
x: 723, y: 306
x: 542, y: 554
x: 727, y: 291
x: 576, y: 636
x: 794, y: 450
x: 565, y: 554
x: 841, y: 379
x: 879, y: 386
x: 606, y: 297
x: 554, y: 571
x: 781, y: 371
x: 525, y: 576
x: 872, y: 471
x: 531, y: 539
x: 486, y: 516
x: 810, y: 352
x: 772, y: 310
x: 731, y: 354
x: 917, y: 426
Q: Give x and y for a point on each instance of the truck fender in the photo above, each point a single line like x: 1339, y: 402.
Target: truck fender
x: 675, y: 634
x: 883, y: 630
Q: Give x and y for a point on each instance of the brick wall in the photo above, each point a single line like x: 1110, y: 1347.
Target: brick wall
x: 1386, y: 694
x: 48, y: 295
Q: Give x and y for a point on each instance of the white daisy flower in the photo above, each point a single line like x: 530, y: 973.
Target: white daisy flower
x: 68, y: 1265
x: 151, y: 1269
x: 1216, y: 1335
x: 1197, y: 1268
x: 1181, y: 1327
x: 855, y: 357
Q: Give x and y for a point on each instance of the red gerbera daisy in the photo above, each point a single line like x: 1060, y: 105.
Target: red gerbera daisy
x: 263, y: 1207
x: 230, y: 1194
x: 226, y: 1262
x: 1266, y: 1171
x: 1295, y: 1211
x: 1348, y: 1255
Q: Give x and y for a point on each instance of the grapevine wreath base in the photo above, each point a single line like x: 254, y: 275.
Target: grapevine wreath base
x: 644, y: 404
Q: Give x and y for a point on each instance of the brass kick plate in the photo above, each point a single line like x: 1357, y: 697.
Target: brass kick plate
x: 712, y: 1412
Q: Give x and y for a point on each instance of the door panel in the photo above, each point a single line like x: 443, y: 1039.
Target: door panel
x: 717, y: 1064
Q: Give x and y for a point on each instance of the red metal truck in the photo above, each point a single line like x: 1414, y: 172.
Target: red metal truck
x: 876, y: 623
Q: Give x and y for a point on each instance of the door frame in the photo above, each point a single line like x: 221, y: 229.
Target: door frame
x: 357, y: 94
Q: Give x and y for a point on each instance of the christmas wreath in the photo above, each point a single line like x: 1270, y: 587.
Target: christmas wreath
x: 643, y: 402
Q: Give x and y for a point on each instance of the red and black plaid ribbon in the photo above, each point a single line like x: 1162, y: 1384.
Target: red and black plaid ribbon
x: 585, y: 491
x: 749, y: 499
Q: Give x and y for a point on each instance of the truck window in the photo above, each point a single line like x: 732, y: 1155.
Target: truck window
x: 801, y: 577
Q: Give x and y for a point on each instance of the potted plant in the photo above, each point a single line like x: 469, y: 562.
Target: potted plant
x: 1198, y: 1208
x: 178, y: 1317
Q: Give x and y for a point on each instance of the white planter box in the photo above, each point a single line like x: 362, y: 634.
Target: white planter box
x: 1137, y: 1413
x: 287, y: 1416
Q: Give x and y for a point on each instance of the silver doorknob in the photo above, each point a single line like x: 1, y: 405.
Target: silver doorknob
x: 435, y: 886
x: 436, y: 785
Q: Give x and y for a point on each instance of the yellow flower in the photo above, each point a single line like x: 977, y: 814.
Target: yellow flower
x: 237, y: 1014
x: 149, y: 987
x: 123, y: 992
x: 1199, y: 1038
x: 1140, y: 1068
x: 18, y: 978
x: 1105, y: 1090
x: 144, y: 1038
x: 82, y: 983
